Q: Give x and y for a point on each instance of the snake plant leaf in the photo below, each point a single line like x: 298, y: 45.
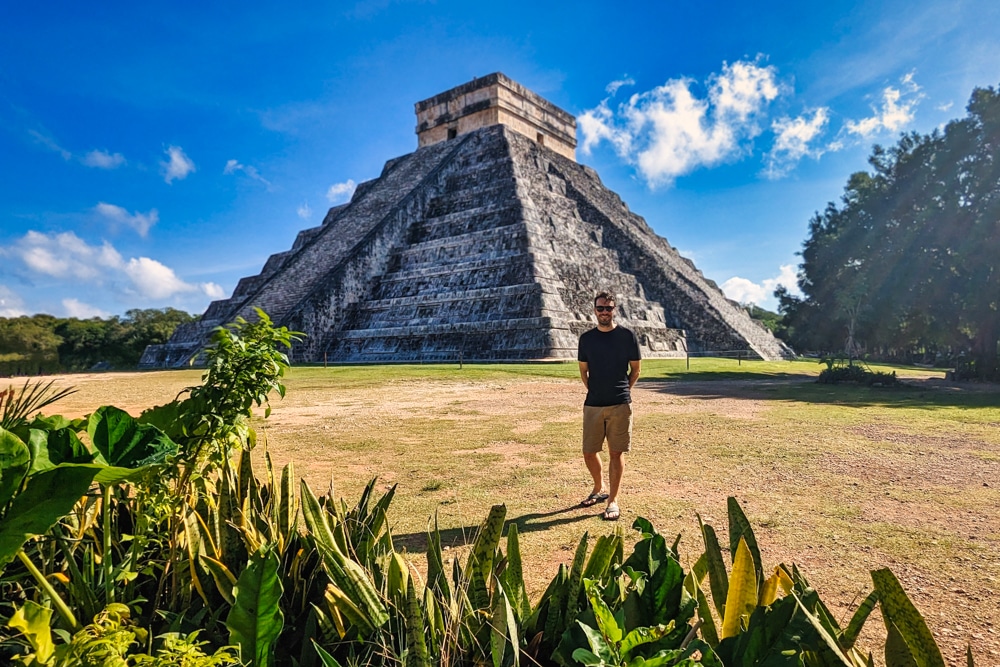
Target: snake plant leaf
x: 742, y: 597
x: 828, y: 646
x: 600, y: 558
x: 47, y: 496
x: 15, y: 459
x: 576, y: 579
x: 498, y: 628
x: 416, y: 646
x: 437, y: 579
x: 124, y: 442
x: 513, y: 576
x: 897, y: 653
x: 898, y: 610
x: 288, y: 502
x: 487, y: 539
x: 718, y: 579
x: 968, y: 656
x: 850, y: 634
x: 739, y: 527
x: 255, y: 620
x: 34, y: 621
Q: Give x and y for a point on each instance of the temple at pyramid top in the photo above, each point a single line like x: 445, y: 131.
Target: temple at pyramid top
x: 488, y: 242
x: 495, y: 100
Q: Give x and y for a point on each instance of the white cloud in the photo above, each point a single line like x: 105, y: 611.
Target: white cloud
x: 233, y: 166
x: 140, y: 222
x: 945, y: 107
x: 613, y: 87
x: 792, y: 142
x: 341, y: 192
x: 103, y: 159
x: 11, y: 305
x: 895, y: 112
x: 304, y: 211
x: 670, y: 131
x: 69, y: 258
x: 747, y: 291
x: 178, y: 166
x: 81, y: 310
x: 212, y: 290
x: 51, y: 144
x: 65, y: 255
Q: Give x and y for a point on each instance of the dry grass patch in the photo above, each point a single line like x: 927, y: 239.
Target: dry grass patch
x: 837, y: 479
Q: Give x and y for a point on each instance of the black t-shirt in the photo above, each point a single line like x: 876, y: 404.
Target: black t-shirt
x: 607, y: 354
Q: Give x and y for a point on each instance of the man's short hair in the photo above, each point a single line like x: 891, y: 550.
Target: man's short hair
x: 607, y: 296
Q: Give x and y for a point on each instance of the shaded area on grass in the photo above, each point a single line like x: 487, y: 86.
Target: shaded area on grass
x: 465, y: 535
x: 912, y: 394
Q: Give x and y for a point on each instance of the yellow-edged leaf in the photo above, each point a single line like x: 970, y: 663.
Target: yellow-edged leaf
x: 742, y: 597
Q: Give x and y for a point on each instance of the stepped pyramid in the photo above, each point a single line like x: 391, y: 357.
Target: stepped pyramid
x: 489, y: 242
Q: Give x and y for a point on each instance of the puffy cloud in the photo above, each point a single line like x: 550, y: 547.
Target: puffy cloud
x: 140, y: 222
x: 103, y: 159
x: 81, y: 310
x: 747, y: 291
x: 67, y: 257
x: 670, y: 131
x: 341, y: 192
x: 233, y: 166
x: 304, y: 211
x: 792, y: 142
x: 11, y: 305
x: 895, y: 112
x: 178, y: 166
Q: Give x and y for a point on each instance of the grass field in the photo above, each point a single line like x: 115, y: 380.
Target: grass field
x: 837, y: 479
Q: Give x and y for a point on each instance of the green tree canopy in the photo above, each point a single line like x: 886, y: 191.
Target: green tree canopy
x: 909, y: 261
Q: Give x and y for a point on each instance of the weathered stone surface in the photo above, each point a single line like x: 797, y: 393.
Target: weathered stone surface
x: 489, y: 245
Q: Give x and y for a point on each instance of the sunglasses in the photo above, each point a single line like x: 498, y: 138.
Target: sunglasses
x: 604, y: 309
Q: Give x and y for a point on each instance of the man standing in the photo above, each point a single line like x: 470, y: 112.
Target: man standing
x: 609, y: 366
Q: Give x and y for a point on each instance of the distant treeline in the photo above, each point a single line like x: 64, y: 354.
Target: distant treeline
x: 907, y: 265
x: 45, y: 344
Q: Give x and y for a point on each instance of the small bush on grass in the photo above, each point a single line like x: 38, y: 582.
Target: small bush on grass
x: 840, y: 370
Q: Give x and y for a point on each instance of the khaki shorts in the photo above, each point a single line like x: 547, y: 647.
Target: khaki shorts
x: 613, y: 422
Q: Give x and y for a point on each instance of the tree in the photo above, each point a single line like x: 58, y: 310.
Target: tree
x: 908, y: 262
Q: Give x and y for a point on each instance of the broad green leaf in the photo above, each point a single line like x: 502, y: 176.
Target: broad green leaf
x: 34, y: 622
x: 606, y: 621
x: 898, y: 610
x: 14, y: 461
x: 742, y: 597
x: 255, y: 620
x: 598, y: 646
x: 640, y: 636
x: 124, y: 442
x: 514, y: 575
x: 588, y: 658
x: 50, y: 448
x: 829, y: 648
x: 46, y: 498
x: 327, y: 659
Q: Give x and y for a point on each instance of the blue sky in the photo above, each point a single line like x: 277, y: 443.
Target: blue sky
x: 154, y: 153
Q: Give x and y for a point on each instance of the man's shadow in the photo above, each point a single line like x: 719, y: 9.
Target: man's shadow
x: 526, y: 523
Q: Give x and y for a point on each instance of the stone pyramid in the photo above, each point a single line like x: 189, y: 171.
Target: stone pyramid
x: 486, y: 243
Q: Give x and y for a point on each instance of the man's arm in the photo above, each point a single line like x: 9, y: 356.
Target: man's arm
x: 585, y: 374
x: 633, y: 372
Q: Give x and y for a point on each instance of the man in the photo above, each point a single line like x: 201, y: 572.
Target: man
x: 609, y: 366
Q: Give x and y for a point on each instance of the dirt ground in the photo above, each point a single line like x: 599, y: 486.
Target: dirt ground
x: 837, y: 487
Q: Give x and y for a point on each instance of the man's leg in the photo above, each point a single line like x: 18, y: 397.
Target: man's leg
x: 593, y: 461
x: 616, y: 466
